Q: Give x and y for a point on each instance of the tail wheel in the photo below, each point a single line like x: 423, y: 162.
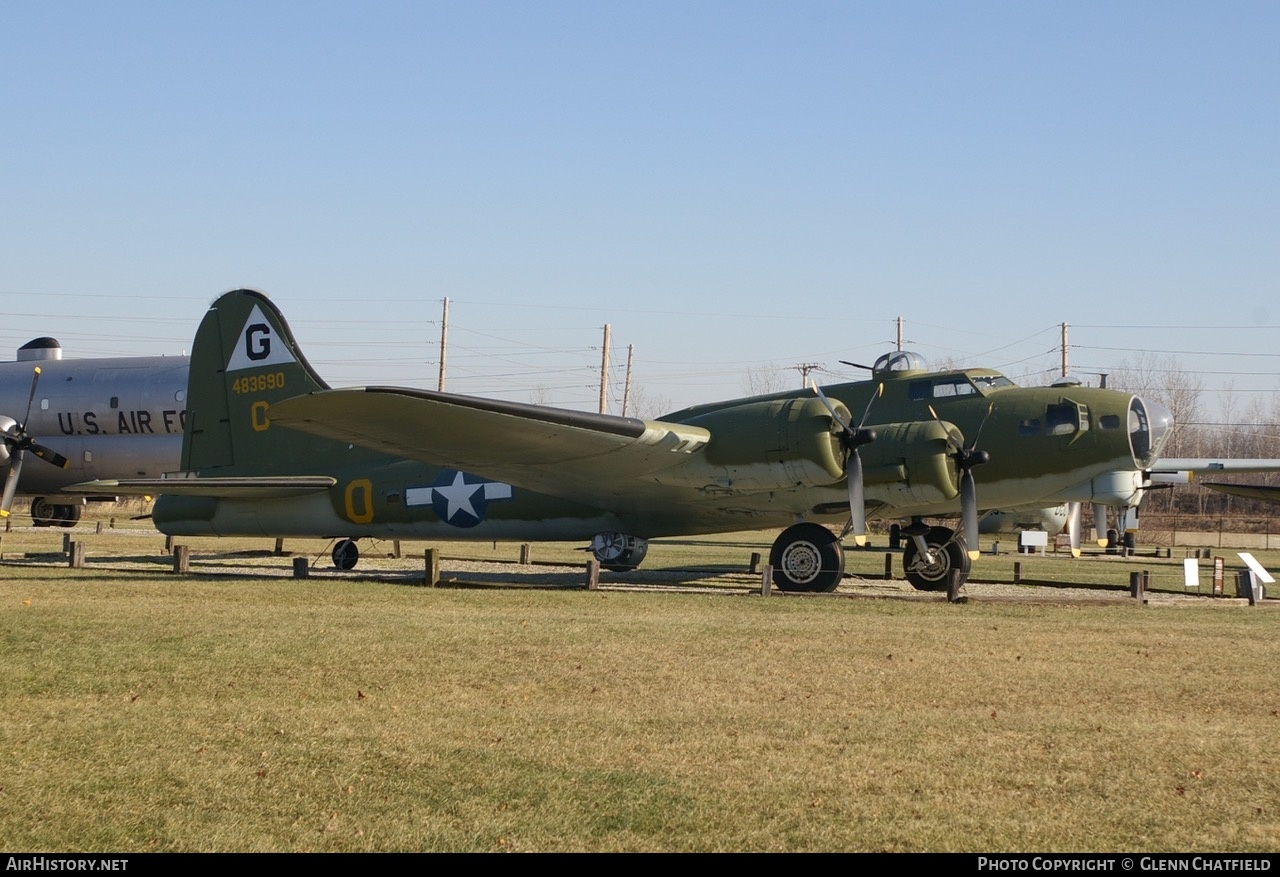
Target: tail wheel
x: 807, y: 558
x: 346, y: 554
x: 947, y: 552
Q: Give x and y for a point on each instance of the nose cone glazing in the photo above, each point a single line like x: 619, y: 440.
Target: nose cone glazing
x: 1150, y: 425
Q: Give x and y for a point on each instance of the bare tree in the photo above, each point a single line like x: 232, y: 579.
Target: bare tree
x: 764, y: 379
x: 1164, y: 380
x: 647, y: 406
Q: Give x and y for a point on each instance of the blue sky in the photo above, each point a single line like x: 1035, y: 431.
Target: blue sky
x: 730, y: 186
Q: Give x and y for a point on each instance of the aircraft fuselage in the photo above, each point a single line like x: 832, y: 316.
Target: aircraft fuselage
x: 110, y: 417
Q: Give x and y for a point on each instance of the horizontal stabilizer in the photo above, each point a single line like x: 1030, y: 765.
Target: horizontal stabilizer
x: 224, y: 488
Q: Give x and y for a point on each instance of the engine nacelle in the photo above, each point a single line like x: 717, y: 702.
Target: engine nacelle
x: 911, y: 463
x: 770, y: 444
x: 6, y: 424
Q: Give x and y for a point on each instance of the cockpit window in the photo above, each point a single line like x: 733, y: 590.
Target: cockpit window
x: 948, y: 387
x: 957, y: 385
x: 992, y: 382
x: 1109, y: 421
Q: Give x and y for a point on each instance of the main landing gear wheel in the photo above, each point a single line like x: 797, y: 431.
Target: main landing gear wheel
x: 47, y: 514
x: 43, y: 513
x: 807, y: 557
x: 948, y: 552
x: 618, y: 551
x: 345, y: 554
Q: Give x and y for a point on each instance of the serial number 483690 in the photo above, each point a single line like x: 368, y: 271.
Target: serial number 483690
x: 258, y: 383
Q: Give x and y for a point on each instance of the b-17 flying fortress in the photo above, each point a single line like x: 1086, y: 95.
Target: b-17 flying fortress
x: 271, y: 450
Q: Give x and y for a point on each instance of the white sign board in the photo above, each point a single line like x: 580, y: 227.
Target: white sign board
x: 1256, y: 568
x: 1190, y: 573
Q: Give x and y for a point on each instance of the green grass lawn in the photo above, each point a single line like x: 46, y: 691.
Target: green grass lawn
x: 150, y: 711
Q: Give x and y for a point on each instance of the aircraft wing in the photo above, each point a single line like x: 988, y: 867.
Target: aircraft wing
x: 224, y: 488
x: 552, y: 450
x: 1201, y: 465
x: 1264, y: 492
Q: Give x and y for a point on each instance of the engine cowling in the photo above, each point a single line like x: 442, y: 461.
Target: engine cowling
x: 911, y: 463
x: 7, y: 424
x: 771, y: 444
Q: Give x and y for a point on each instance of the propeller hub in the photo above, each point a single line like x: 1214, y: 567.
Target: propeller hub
x: 861, y: 436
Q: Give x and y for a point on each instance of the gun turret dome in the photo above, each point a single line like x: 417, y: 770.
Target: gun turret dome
x: 897, y: 362
x: 38, y: 349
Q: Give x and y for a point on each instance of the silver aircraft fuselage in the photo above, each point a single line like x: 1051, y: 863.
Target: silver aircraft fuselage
x: 119, y: 417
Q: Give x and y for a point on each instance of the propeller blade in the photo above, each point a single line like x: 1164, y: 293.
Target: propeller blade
x: 966, y: 458
x: 990, y: 408
x: 826, y: 403
x: 852, y: 439
x: 1073, y: 526
x: 49, y: 455
x: 11, y: 483
x: 867, y: 412
x: 857, y: 502
x: 19, y: 440
x: 969, y: 511
x: 31, y: 397
x: 1100, y: 524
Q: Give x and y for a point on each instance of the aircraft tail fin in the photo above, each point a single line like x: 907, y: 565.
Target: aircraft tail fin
x: 245, y: 358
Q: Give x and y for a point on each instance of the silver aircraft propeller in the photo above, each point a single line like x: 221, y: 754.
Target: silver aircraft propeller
x: 1074, y: 510
x: 853, y: 438
x: 18, y: 441
x: 966, y: 458
x: 1100, y: 524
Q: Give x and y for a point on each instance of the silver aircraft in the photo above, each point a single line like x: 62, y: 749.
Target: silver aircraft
x: 84, y: 419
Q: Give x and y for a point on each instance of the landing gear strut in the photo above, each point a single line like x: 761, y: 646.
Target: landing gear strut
x: 931, y: 553
x: 807, y: 557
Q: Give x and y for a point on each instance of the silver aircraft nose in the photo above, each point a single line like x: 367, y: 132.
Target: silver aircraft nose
x: 1150, y: 425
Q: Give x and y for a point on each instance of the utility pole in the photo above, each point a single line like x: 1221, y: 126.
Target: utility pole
x: 444, y: 343
x: 899, y: 333
x: 626, y: 388
x: 604, y: 373
x: 1064, y: 350
x: 804, y: 369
